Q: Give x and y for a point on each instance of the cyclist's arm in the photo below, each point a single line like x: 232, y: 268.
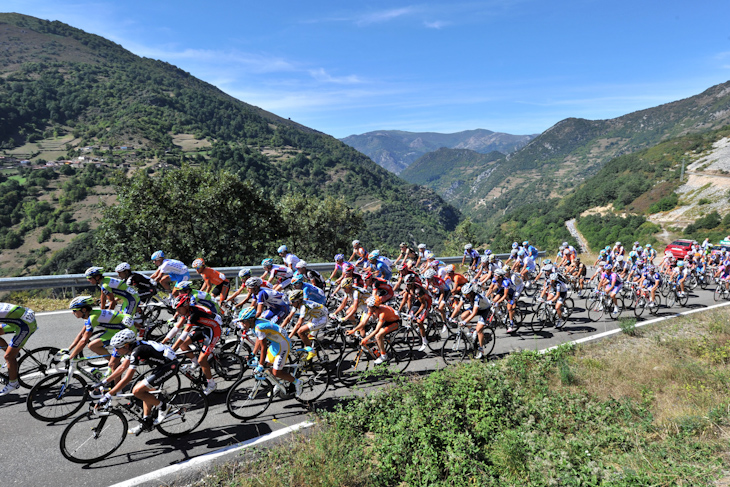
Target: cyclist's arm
x: 123, y: 381
x: 288, y: 318
x: 124, y: 365
x: 82, y: 342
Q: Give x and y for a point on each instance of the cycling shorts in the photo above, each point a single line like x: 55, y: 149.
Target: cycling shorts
x: 208, y: 337
x: 277, y: 354
x: 390, y: 326
x: 483, y: 315
x: 616, y: 288
x: 22, y: 331
x: 160, y: 374
x: 274, y: 317
x: 222, y: 288
x: 318, y: 323
x: 109, y: 330
x: 175, y: 278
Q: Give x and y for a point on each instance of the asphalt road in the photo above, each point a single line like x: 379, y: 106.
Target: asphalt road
x: 30, y: 455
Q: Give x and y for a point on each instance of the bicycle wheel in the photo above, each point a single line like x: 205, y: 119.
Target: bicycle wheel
x: 174, y: 383
x: 568, y: 308
x: 188, y: 408
x: 540, y: 318
x: 92, y: 437
x: 315, y: 380
x: 639, y: 306
x: 227, y: 369
x: 718, y: 294
x: 595, y: 309
x: 456, y: 347
x: 35, y: 365
x: 433, y: 326
x: 657, y: 304
x: 55, y: 398
x: 249, y: 397
x: 615, y: 311
x: 530, y: 288
x: 150, y: 310
x: 490, y: 339
x: 682, y: 300
x: 156, y: 330
x: 330, y: 346
x: 671, y: 298
x: 352, y: 365
x: 400, y: 349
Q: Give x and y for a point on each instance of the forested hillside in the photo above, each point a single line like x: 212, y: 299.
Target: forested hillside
x: 56, y: 80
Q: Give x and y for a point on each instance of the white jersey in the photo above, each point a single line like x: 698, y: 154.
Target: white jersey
x: 291, y: 260
x: 172, y: 266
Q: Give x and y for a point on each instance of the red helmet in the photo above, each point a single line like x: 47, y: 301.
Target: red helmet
x: 182, y: 300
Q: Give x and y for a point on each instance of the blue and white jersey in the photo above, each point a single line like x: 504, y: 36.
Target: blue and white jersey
x: 313, y: 293
x: 473, y: 254
x: 172, y: 266
x: 384, y: 270
x: 529, y: 263
x: 273, y: 300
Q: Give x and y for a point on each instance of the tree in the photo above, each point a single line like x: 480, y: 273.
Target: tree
x: 189, y: 213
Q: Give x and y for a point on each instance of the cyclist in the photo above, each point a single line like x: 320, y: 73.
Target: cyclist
x: 405, y: 270
x: 314, y: 277
x: 272, y: 301
x: 111, y: 289
x: 202, y: 298
x: 421, y: 254
x: 474, y: 304
x: 279, y: 275
x: 556, y: 291
x: 418, y: 297
x: 612, y: 283
x: 474, y: 258
x: 505, y: 291
x: 143, y: 284
x: 355, y: 296
x: 169, y: 271
x: 388, y: 321
x: 312, y: 317
x: 380, y: 287
x: 406, y: 253
x: 439, y: 289
x: 207, y: 330
x: 164, y: 365
x: 311, y: 292
x: 21, y: 322
x: 338, y: 271
x: 680, y: 274
x: 652, y: 282
x: 379, y: 266
x: 110, y: 321
x: 359, y: 252
x: 457, y: 281
x: 278, y: 350
x: 290, y: 260
x: 213, y: 281
x: 531, y: 250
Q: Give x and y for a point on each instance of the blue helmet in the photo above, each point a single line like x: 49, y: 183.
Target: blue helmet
x: 267, y: 262
x: 339, y: 257
x: 158, y: 255
x: 297, y: 278
x: 515, y: 245
x: 247, y: 314
x: 93, y: 271
x: 281, y: 249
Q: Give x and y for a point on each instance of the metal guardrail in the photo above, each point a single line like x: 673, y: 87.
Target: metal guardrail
x: 74, y: 281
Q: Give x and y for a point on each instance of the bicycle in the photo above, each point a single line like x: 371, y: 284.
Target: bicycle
x: 33, y: 366
x: 641, y: 301
x: 599, y: 302
x: 676, y: 296
x: 226, y: 369
x: 722, y: 291
x: 358, y: 361
x: 97, y: 433
x: 547, y: 315
x: 464, y: 342
x: 253, y: 393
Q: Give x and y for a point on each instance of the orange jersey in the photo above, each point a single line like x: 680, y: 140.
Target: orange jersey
x: 459, y: 280
x: 387, y: 313
x: 212, y: 276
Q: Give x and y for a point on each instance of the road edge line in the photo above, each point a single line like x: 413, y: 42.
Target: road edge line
x: 207, y: 457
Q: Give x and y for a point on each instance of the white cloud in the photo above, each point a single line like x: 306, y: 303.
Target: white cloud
x: 384, y: 16
x: 436, y: 25
x: 324, y: 77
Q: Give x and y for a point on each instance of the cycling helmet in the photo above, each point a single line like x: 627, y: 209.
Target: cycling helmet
x: 298, y: 278
x: 429, y: 274
x: 565, y: 244
x: 514, y: 252
x: 355, y: 243
x: 521, y: 252
x: 296, y: 295
x: 301, y: 264
x: 608, y: 248
x: 631, y: 254
x: 347, y: 282
x: 123, y: 338
x: 267, y: 263
x: 650, y: 268
x: 253, y: 282
x: 347, y: 267
x: 421, y: 246
x: 123, y: 267
x: 577, y: 259
x: 639, y: 249
x: 282, y: 249
x: 648, y: 246
x: 366, y: 275
x: 244, y: 273
x: 158, y: 255
x: 515, y: 245
x: 487, y: 252
x: 547, y: 262
x: 506, y: 269
x: 373, y: 301
x: 467, y: 247
x: 449, y: 269
x: 247, y: 313
x: 680, y: 263
x: 467, y: 288
x: 618, y: 244
x: 93, y: 271
x: 553, y: 277
x: 428, y: 255
x: 547, y: 267
x: 339, y: 258
x: 607, y: 267
x: 640, y: 263
x: 603, y: 252
x: 525, y: 243
x: 620, y: 258
x: 198, y: 263
x: 374, y: 255
x: 492, y: 257
x: 81, y: 302
x: 435, y: 263
x: 499, y: 272
x: 181, y: 300
x: 184, y: 286
x: 403, y: 244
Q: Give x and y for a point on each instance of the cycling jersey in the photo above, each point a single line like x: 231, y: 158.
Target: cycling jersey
x: 204, y: 299
x: 382, y: 288
x: 313, y: 293
x: 291, y: 260
x: 384, y: 269
x: 111, y: 321
x: 212, y: 276
x: 279, y: 343
x: 281, y: 274
x: 315, y: 278
x: 117, y: 287
x: 474, y: 257
x: 150, y: 353
x: 143, y: 284
x: 208, y: 326
x: 17, y: 320
x: 315, y: 313
x: 177, y: 270
x: 529, y: 263
x: 274, y: 302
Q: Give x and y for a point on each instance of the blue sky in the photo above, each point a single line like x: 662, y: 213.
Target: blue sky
x: 516, y: 66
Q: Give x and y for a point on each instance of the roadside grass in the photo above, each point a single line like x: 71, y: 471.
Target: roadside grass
x: 40, y: 301
x: 649, y: 409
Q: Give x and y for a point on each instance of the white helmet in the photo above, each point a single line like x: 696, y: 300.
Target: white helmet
x: 421, y: 246
x: 122, y: 338
x: 301, y: 264
x: 467, y: 247
x: 123, y: 267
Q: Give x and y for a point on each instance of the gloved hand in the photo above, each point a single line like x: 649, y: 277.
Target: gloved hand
x: 99, y: 384
x: 259, y: 369
x: 64, y: 357
x: 105, y: 399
